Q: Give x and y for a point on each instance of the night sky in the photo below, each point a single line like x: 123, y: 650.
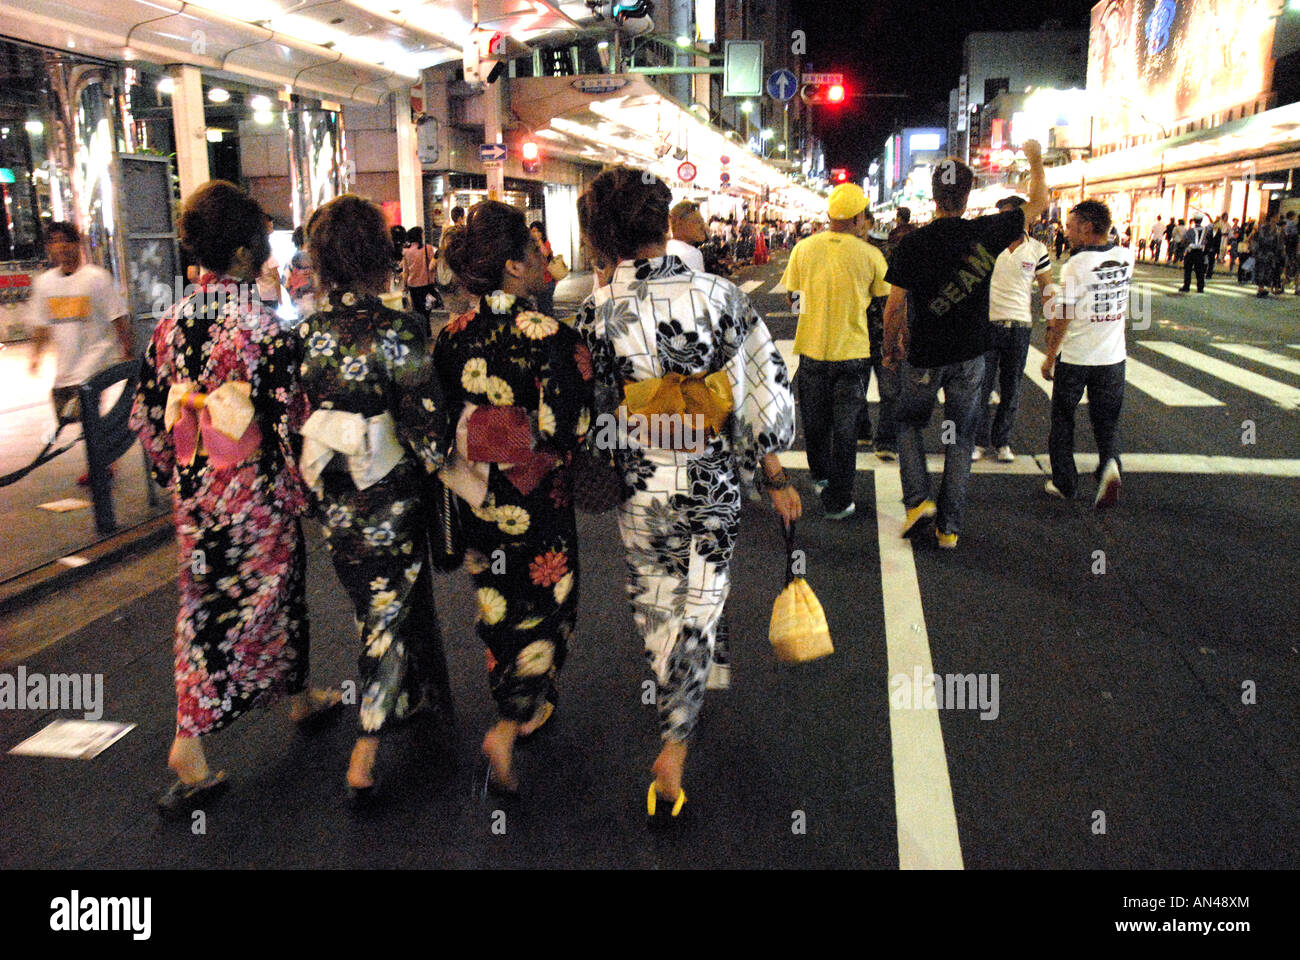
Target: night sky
x: 902, y: 46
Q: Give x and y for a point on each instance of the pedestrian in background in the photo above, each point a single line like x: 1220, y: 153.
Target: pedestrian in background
x: 268, y: 281
x: 1022, y: 265
x: 546, y: 296
x: 1087, y: 331
x: 520, y: 383
x: 299, y: 279
x: 77, y: 307
x: 417, y: 272
x: 831, y: 278
x: 1157, y: 235
x: 945, y: 269
x: 661, y: 327
x: 1266, y: 246
x: 688, y: 231
x: 367, y: 372
x: 216, y: 410
x: 885, y: 436
x: 1213, y: 245
x: 1195, y: 240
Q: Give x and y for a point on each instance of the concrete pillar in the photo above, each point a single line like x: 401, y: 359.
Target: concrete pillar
x: 410, y: 175
x: 190, y: 128
x: 492, y: 111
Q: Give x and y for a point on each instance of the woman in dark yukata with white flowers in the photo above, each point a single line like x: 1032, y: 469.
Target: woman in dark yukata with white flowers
x: 372, y: 436
x: 521, y: 383
x: 215, y: 411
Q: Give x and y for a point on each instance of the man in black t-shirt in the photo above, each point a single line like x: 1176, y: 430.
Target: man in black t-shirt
x: 937, y: 331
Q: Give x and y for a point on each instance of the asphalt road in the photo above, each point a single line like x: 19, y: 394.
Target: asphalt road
x: 1119, y: 736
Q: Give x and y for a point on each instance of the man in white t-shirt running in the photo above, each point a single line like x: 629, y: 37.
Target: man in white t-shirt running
x: 1018, y: 268
x: 688, y: 231
x: 1087, y: 330
x: 77, y: 306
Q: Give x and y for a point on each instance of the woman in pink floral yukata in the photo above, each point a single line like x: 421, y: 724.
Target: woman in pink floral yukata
x: 216, y: 408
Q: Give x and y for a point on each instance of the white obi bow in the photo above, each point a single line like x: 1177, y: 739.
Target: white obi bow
x: 370, y: 444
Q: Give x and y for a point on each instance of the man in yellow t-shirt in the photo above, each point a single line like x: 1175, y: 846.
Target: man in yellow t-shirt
x: 832, y: 277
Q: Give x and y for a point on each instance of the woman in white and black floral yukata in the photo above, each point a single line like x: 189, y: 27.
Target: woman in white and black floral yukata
x: 656, y: 318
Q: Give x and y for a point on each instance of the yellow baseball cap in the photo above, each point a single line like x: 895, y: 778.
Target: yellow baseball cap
x: 846, y: 201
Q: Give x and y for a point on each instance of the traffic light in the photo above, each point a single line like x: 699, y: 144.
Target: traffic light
x: 532, y: 156
x: 840, y: 175
x: 822, y: 88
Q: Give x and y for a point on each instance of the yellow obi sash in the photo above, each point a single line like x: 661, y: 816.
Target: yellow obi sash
x: 678, y: 398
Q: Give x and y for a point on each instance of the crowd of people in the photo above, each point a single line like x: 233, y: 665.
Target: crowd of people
x: 360, y: 415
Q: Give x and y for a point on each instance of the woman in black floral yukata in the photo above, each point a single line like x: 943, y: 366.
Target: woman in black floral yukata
x: 519, y: 384
x: 373, y: 433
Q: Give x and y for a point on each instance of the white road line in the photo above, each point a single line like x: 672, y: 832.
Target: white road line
x: 1168, y: 390
x: 1033, y: 370
x: 1260, y: 355
x: 771, y: 313
x: 1280, y: 393
x: 749, y: 286
x: 779, y: 288
x: 1037, y: 464
x: 792, y: 364
x: 923, y: 805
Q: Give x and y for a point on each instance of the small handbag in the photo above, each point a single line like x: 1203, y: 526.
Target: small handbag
x: 596, y: 481
x: 446, y: 533
x: 558, y: 268
x: 798, y: 629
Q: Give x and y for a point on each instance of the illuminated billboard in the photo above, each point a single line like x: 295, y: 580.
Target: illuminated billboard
x: 1172, y: 60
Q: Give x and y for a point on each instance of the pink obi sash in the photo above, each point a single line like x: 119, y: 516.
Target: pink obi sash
x: 222, y: 421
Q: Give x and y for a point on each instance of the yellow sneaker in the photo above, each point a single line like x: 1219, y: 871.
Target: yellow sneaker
x: 925, y: 510
x: 947, y: 541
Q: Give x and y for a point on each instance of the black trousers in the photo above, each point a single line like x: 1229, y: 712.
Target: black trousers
x: 1194, y: 260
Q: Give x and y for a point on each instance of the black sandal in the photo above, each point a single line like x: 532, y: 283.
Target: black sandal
x: 182, y: 797
x: 321, y: 717
x: 546, y: 722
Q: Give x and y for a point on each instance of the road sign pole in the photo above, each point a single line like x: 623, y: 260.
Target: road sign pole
x: 496, y: 173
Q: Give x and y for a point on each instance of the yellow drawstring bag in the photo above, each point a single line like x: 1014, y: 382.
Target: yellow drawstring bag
x: 798, y: 630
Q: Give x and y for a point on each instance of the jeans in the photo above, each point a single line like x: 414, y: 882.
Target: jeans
x: 1005, y: 362
x: 918, y: 387
x: 1105, y: 385
x: 832, y: 394
x: 1194, y: 259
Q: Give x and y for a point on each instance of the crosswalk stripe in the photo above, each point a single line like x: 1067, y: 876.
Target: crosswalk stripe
x: 1164, y: 388
x: 923, y: 806
x: 792, y: 364
x: 1168, y: 287
x: 749, y: 286
x: 1279, y: 393
x: 1038, y: 464
x: 779, y: 288
x: 1033, y: 370
x: 1260, y: 355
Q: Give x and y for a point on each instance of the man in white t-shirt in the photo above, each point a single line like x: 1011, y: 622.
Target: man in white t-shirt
x: 688, y: 231
x: 77, y: 307
x: 1087, y: 330
x: 1018, y: 268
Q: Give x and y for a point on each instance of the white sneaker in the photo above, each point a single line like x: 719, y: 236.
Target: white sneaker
x: 1005, y: 455
x: 1108, y: 487
x: 976, y: 453
x: 819, y: 485
x: 1052, y: 490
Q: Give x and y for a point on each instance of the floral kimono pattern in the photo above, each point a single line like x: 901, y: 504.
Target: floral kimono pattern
x: 522, y: 549
x: 657, y: 317
x: 360, y: 357
x: 241, y: 634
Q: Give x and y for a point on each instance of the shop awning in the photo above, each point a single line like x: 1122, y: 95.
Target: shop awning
x: 1264, y: 142
x: 339, y: 49
x: 624, y: 119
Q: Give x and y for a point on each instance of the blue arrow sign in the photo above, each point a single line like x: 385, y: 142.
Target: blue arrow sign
x: 488, y: 152
x: 782, y: 85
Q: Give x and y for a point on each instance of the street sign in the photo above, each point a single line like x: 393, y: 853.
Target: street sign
x: 491, y: 151
x: 782, y: 85
x: 724, y: 178
x: 599, y: 84
x: 724, y: 159
x: 686, y: 171
x: 826, y: 78
x: 742, y: 68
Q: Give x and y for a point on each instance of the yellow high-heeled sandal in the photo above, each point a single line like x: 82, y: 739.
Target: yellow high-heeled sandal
x: 652, y: 806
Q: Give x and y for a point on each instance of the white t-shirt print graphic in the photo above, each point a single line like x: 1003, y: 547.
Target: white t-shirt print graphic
x: 1094, y: 294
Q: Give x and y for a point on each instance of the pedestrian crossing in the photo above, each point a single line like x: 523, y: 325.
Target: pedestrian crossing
x: 1222, y: 288
x: 1164, y: 388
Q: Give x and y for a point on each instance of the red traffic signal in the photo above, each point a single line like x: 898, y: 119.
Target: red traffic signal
x: 840, y: 175
x: 835, y: 93
x: 531, y: 155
